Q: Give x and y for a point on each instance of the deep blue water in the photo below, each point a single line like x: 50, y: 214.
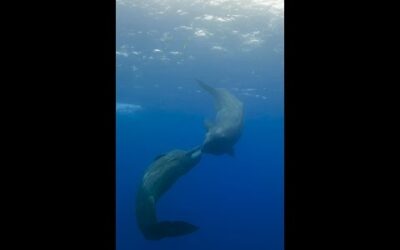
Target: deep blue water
x: 236, y: 201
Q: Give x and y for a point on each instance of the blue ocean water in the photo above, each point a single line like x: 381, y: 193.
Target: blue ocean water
x: 162, y: 47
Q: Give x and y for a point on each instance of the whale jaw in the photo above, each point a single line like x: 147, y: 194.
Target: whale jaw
x: 218, y: 146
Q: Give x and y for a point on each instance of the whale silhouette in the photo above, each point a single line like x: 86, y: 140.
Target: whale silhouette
x: 158, y: 178
x: 225, y: 131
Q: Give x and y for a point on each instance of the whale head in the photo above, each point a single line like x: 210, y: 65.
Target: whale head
x: 218, y: 142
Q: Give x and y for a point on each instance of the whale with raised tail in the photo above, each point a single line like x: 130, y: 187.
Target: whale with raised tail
x: 160, y: 177
x: 225, y: 131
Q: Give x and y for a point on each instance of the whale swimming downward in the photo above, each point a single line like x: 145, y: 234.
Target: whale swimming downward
x: 225, y: 131
x: 166, y: 169
x: 160, y: 177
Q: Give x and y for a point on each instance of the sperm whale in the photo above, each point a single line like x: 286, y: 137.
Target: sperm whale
x: 225, y: 131
x: 160, y: 176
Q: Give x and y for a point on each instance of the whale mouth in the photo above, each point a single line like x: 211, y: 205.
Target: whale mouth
x: 213, y: 148
x: 217, y: 145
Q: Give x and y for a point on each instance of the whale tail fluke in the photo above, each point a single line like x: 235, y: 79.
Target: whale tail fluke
x: 169, y: 229
x: 207, y: 87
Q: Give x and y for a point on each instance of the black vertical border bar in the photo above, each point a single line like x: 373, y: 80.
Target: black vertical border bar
x: 294, y: 110
x: 101, y: 94
x: 65, y: 92
x: 310, y: 129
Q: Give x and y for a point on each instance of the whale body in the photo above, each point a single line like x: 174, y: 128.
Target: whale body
x: 225, y: 131
x: 160, y: 177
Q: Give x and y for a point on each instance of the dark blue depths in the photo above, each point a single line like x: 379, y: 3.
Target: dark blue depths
x: 236, y: 202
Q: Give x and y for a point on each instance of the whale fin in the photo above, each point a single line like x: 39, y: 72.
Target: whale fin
x: 164, y: 229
